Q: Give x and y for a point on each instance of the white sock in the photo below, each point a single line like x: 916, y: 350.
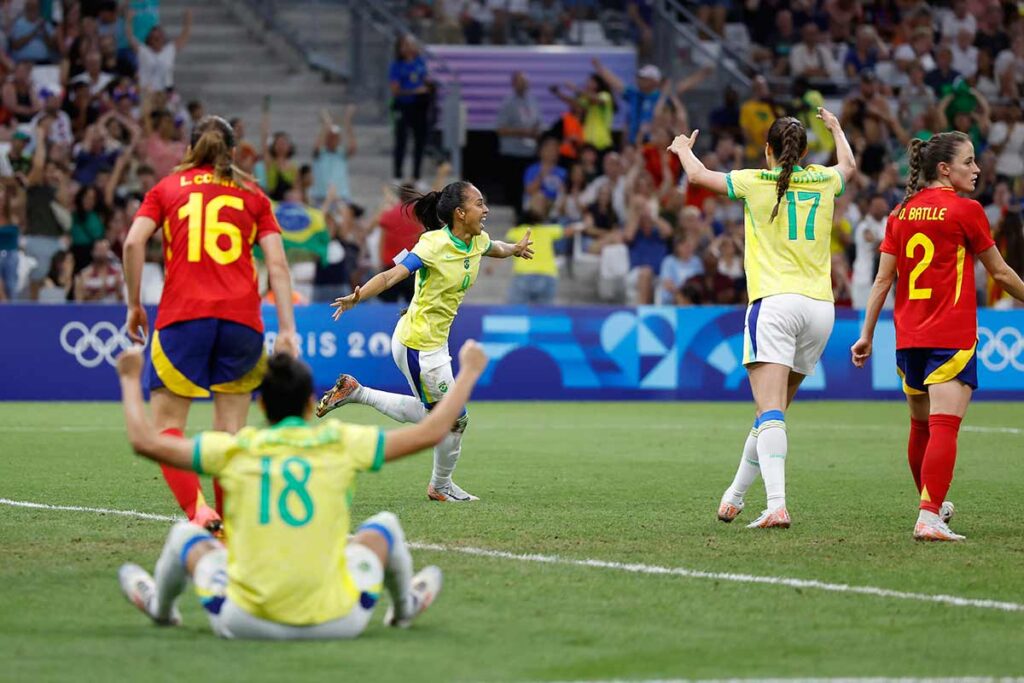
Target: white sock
x: 396, y: 406
x: 928, y: 517
x: 772, y: 445
x: 210, y: 578
x: 747, y: 472
x: 398, y: 571
x: 170, y: 574
x: 446, y: 457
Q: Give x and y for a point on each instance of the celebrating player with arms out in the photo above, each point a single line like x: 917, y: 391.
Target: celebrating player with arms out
x: 291, y: 572
x: 930, y: 243
x: 208, y: 335
x: 788, y: 264
x: 446, y: 260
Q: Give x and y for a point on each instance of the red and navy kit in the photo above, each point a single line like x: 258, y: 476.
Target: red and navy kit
x: 209, y: 332
x: 935, y: 238
x: 209, y: 229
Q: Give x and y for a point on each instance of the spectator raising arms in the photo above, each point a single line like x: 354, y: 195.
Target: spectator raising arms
x: 157, y: 54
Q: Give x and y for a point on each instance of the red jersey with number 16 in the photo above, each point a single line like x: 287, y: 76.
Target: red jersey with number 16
x: 209, y: 228
x: 934, y: 239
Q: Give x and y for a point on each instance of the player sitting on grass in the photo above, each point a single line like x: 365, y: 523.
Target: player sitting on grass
x: 291, y: 571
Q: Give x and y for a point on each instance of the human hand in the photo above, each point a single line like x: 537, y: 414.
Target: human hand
x: 830, y: 120
x: 860, y: 352
x: 129, y: 363
x: 523, y: 249
x: 683, y: 142
x: 345, y: 303
x: 287, y: 341
x: 472, y: 357
x: 137, y: 324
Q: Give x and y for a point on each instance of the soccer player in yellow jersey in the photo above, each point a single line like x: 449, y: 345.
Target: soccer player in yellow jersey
x: 788, y: 216
x: 290, y: 571
x: 445, y: 261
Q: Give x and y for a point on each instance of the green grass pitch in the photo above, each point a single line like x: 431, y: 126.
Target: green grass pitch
x: 627, y: 483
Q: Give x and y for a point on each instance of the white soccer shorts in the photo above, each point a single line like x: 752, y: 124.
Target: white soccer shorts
x: 788, y: 329
x: 368, y: 576
x: 429, y: 373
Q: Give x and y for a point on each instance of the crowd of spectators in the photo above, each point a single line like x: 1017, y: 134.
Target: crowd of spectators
x: 909, y: 70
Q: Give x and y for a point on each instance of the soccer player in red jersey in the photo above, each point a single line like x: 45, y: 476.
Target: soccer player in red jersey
x: 208, y: 336
x: 930, y: 243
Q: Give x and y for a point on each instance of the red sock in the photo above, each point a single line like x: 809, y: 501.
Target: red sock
x: 218, y: 497
x: 916, y: 446
x: 184, y: 485
x: 939, y: 459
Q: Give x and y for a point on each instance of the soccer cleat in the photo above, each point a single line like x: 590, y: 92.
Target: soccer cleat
x: 946, y: 512
x: 937, y: 531
x: 140, y: 590
x: 449, y: 493
x: 208, y: 518
x: 426, y: 585
x: 338, y: 395
x: 771, y: 520
x: 728, y: 511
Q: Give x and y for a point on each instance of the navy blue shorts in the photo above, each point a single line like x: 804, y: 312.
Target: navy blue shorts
x: 921, y: 367
x: 194, y: 357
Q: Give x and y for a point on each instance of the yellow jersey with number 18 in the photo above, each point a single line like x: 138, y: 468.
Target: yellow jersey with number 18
x: 444, y: 267
x: 287, y: 493
x: 792, y: 254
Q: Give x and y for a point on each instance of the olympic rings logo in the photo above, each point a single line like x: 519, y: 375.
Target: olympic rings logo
x: 1001, y: 349
x: 91, y: 346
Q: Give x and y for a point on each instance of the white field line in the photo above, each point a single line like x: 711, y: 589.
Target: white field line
x: 633, y: 568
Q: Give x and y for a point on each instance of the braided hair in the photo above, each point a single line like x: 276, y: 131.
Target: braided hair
x: 435, y: 210
x: 924, y: 157
x: 788, y: 139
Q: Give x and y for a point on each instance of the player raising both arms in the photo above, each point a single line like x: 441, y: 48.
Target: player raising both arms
x: 446, y: 261
x: 930, y: 243
x: 208, y: 334
x: 788, y: 221
x: 290, y: 572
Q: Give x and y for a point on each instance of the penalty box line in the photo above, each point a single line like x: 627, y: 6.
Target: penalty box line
x: 632, y: 568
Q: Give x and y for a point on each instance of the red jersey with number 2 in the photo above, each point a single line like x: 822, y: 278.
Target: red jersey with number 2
x: 935, y: 238
x: 209, y: 229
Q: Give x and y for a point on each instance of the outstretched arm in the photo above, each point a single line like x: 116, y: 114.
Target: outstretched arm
x: 695, y: 170
x: 374, y: 286
x: 186, y: 31
x: 523, y: 248
x: 846, y: 164
x: 861, y: 349
x: 438, y: 423
x: 143, y: 436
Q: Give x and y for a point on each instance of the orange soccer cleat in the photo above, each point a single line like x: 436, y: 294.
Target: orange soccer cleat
x: 728, y: 511
x: 771, y: 520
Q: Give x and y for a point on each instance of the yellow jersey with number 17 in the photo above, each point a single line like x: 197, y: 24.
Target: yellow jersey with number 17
x: 444, y: 267
x: 287, y: 493
x: 792, y: 254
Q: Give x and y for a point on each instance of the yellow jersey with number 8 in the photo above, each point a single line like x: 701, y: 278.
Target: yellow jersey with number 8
x: 792, y: 254
x: 444, y: 268
x: 287, y: 493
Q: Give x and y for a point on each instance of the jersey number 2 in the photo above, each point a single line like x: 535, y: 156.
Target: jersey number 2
x: 200, y: 240
x: 791, y: 199
x: 294, y: 487
x: 919, y: 239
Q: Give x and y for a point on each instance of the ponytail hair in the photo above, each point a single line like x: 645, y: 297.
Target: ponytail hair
x: 213, y: 144
x: 435, y: 210
x: 924, y: 157
x: 788, y: 140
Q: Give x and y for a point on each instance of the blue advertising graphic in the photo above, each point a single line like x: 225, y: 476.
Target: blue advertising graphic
x: 542, y: 353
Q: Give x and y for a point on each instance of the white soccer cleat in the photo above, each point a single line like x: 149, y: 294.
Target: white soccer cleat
x: 729, y: 510
x: 946, y: 512
x: 342, y: 393
x: 449, y: 493
x: 779, y: 519
x: 426, y: 585
x: 935, y: 531
x: 140, y: 590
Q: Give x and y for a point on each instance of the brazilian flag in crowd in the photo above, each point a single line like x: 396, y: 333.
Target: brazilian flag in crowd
x: 303, y: 229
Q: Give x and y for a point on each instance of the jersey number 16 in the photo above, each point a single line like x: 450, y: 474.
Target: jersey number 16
x: 205, y: 237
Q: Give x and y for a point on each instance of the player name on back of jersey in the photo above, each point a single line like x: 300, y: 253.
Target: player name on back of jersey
x: 208, y: 179
x: 923, y: 213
